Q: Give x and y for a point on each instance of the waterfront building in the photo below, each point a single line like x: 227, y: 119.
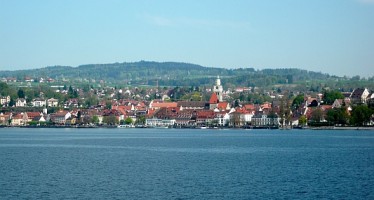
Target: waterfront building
x: 156, y: 122
x: 262, y: 120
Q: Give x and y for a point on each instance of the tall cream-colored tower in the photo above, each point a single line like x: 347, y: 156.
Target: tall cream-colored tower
x: 218, y: 89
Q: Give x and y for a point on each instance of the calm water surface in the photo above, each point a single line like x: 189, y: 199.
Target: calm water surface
x: 185, y: 164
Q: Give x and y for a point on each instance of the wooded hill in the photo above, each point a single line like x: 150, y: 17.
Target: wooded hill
x: 174, y: 74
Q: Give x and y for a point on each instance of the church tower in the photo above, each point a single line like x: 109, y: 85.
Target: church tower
x: 218, y: 89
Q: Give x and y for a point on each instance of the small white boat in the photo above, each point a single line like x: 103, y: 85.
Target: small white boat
x: 161, y: 127
x: 126, y: 126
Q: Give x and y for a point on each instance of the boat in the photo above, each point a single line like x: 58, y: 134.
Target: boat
x: 161, y: 127
x: 126, y: 126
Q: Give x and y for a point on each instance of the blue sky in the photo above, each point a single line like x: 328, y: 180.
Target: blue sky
x: 330, y: 36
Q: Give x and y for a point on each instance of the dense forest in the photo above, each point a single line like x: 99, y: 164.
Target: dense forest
x: 186, y: 74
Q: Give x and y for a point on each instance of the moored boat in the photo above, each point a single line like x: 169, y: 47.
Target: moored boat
x: 126, y: 126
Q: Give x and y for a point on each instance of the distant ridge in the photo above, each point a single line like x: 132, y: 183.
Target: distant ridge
x: 169, y: 73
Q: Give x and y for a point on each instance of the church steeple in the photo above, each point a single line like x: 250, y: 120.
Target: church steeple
x: 218, y: 89
x: 218, y: 81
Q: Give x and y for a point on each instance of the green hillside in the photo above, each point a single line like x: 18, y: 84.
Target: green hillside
x: 180, y: 74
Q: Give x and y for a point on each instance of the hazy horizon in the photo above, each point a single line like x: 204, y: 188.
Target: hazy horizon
x: 333, y: 37
x: 181, y: 62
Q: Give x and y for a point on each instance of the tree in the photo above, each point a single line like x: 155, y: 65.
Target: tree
x: 236, y: 103
x: 297, y: 101
x: 337, y: 116
x: 30, y: 94
x: 302, y: 120
x: 21, y: 93
x: 330, y: 96
x: 236, y: 119
x: 196, y: 96
x: 290, y: 79
x: 5, y: 90
x: 91, y: 101
x: 110, y: 120
x: 141, y: 120
x: 72, y: 93
x: 12, y: 102
x: 128, y: 120
x: 317, y: 115
x: 79, y: 115
x: 108, y: 105
x: 86, y: 119
x: 95, y: 119
x: 273, y: 118
x: 361, y: 115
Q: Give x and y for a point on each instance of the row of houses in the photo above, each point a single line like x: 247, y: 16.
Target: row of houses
x: 212, y: 113
x: 27, y: 80
x: 183, y: 113
x: 39, y: 102
x: 215, y: 112
x: 267, y: 114
x: 22, y: 118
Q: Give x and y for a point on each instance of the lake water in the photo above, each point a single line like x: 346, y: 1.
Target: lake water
x: 185, y: 164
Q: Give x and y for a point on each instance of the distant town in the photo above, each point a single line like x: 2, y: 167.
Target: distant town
x: 27, y: 105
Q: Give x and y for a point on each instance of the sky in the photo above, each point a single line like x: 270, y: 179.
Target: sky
x: 329, y: 36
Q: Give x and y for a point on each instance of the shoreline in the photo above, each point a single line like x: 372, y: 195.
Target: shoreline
x: 233, y: 128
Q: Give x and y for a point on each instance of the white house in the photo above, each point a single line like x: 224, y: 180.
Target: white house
x: 245, y: 115
x: 38, y: 102
x: 52, y: 102
x: 4, y: 100
x: 222, y: 118
x: 261, y: 120
x: 21, y: 102
x: 60, y: 117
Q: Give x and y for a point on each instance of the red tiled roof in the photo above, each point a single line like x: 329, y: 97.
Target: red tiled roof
x: 110, y: 112
x: 205, y: 114
x: 31, y: 115
x: 18, y: 116
x: 222, y: 105
x: 164, y: 105
x: 61, y: 113
x: 249, y: 106
x: 213, y: 99
x: 151, y: 112
x: 266, y: 105
x: 242, y: 110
